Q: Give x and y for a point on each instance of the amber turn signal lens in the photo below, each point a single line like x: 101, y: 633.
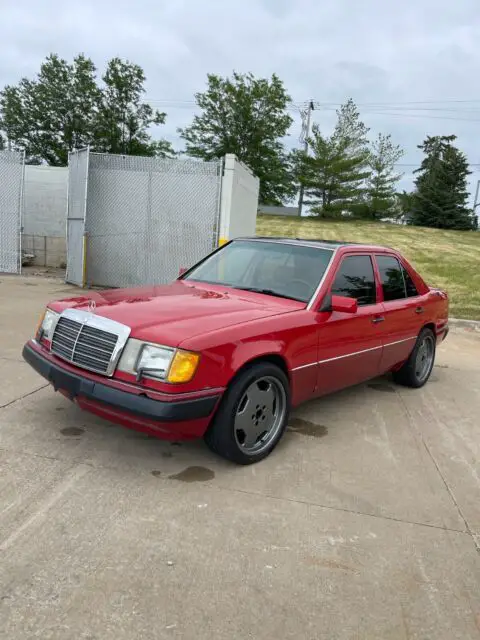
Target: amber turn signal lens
x: 183, y: 367
x: 40, y: 322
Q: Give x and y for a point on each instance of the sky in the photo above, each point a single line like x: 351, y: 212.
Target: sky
x: 412, y: 67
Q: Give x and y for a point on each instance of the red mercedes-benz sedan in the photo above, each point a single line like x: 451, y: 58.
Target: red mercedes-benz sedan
x: 225, y: 351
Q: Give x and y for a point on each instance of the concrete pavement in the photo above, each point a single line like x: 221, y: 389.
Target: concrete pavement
x: 365, y: 522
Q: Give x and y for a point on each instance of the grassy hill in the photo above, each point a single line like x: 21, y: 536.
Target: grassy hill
x: 446, y: 259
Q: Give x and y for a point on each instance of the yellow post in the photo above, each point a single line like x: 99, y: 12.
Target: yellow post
x: 84, y: 266
x: 221, y: 266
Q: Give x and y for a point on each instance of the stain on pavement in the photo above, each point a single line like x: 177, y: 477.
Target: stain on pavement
x: 72, y: 431
x: 193, y: 474
x: 307, y: 428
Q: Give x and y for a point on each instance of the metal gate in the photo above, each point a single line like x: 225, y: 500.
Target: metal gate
x: 144, y: 217
x: 76, y: 212
x: 11, y: 200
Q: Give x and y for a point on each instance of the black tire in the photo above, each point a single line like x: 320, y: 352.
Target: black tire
x: 224, y: 434
x: 408, y: 375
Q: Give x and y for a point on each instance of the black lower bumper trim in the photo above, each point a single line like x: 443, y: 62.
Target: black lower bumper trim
x: 139, y: 405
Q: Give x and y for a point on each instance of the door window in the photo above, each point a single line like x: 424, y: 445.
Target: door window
x: 355, y: 279
x: 409, y: 285
x: 391, y: 276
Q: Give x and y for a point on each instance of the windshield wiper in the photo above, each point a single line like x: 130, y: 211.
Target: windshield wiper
x: 268, y: 292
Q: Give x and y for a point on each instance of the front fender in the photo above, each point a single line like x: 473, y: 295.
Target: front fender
x: 247, y: 352
x: 293, y: 337
x: 221, y: 364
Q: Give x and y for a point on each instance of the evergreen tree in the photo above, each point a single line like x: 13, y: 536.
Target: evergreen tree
x: 384, y: 154
x: 441, y: 195
x: 335, y: 171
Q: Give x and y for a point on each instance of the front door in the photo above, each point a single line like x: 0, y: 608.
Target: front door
x: 350, y: 345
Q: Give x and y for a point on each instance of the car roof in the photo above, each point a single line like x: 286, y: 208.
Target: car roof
x: 319, y: 243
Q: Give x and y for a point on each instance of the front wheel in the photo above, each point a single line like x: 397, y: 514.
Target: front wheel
x: 252, y: 416
x: 417, y: 369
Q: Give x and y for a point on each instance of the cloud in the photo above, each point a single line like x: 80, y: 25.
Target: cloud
x: 373, y: 51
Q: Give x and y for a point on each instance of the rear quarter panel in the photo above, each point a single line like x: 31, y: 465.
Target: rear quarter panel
x: 435, y: 301
x: 437, y: 311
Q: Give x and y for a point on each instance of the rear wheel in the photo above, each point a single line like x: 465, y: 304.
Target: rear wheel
x: 252, y: 416
x: 417, y: 369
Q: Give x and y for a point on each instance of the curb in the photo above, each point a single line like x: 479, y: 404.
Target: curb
x: 471, y: 325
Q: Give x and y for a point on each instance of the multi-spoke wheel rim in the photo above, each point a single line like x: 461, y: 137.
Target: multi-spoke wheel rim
x: 424, y: 358
x: 260, y: 414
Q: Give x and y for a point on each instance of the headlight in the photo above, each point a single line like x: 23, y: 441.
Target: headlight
x: 154, y: 361
x: 47, y: 324
x: 146, y: 360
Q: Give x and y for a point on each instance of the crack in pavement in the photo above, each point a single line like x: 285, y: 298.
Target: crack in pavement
x: 475, y: 538
x: 257, y: 494
x: 25, y: 395
x: 345, y: 510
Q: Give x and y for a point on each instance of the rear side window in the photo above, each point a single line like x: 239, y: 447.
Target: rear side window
x: 409, y: 285
x: 355, y: 279
x: 391, y: 276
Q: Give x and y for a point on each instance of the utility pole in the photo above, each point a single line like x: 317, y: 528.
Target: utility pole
x: 305, y: 135
x: 476, y: 203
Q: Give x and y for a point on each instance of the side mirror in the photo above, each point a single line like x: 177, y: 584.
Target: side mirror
x: 181, y: 271
x: 344, y: 304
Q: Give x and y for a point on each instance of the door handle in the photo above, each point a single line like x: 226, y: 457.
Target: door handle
x: 419, y: 310
x: 378, y: 319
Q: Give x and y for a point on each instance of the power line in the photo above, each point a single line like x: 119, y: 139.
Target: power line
x: 411, y: 165
x: 400, y: 102
x: 417, y: 115
x: 394, y: 110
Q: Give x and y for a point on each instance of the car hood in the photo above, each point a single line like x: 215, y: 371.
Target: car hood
x: 170, y: 314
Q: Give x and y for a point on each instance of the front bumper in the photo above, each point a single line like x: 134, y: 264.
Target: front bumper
x: 130, y: 409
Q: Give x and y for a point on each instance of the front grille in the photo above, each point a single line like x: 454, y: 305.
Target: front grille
x: 84, y: 345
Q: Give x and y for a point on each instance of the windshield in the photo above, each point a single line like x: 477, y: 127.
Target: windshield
x: 273, y: 268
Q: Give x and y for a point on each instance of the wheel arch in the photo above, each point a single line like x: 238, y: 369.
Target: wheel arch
x: 272, y: 358
x: 431, y: 326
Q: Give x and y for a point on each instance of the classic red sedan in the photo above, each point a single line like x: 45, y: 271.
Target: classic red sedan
x: 257, y: 327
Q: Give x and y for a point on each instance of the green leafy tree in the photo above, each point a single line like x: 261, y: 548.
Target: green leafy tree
x: 53, y: 114
x: 335, y: 171
x: 123, y: 121
x: 64, y: 108
x: 441, y: 194
x: 246, y: 116
x: 381, y: 184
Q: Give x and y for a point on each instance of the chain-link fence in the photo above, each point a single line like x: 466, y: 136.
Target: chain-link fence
x: 11, y: 195
x: 145, y: 217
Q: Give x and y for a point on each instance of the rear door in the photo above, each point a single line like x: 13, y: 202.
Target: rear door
x: 350, y: 345
x: 403, y: 310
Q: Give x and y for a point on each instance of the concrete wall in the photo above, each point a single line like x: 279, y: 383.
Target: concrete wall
x: 277, y: 211
x: 239, y: 200
x: 44, y: 214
